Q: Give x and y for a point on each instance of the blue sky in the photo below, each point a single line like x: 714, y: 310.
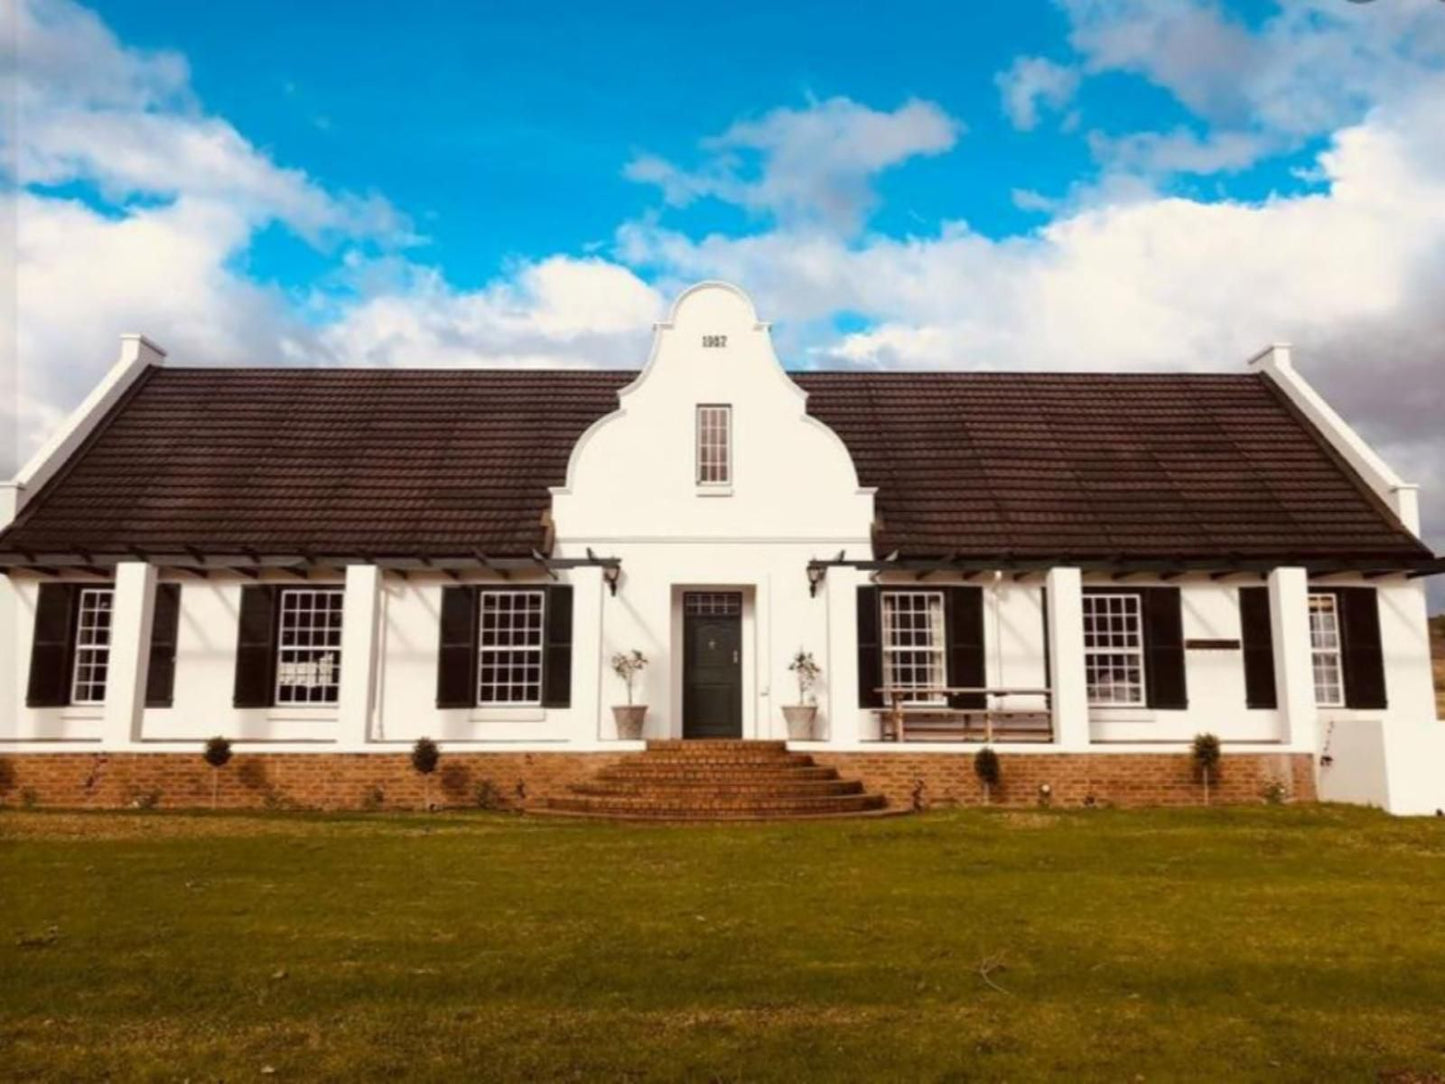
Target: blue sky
x: 503, y: 130
x: 1042, y: 184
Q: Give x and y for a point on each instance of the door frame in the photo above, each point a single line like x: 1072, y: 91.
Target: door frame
x: 748, y: 662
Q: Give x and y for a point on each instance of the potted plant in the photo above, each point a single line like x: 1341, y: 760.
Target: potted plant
x: 627, y: 665
x: 1206, y: 760
x: 217, y: 754
x: 802, y: 717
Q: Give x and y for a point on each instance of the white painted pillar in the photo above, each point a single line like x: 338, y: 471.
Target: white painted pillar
x: 591, y: 598
x: 12, y: 688
x: 1294, y: 679
x: 132, y: 609
x: 360, y: 627
x: 848, y: 722
x: 1067, y: 680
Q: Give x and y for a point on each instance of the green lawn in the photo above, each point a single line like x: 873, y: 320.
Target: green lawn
x: 1243, y: 944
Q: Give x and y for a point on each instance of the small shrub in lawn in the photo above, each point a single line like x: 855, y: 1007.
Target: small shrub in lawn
x: 1275, y: 792
x: 425, y: 756
x: 373, y: 800
x: 986, y: 766
x: 145, y: 799
x: 1206, y: 756
x: 489, y: 796
x: 217, y: 754
x: 28, y: 798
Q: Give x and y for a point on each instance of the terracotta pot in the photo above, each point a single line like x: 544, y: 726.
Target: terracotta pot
x: 802, y: 721
x: 629, y: 720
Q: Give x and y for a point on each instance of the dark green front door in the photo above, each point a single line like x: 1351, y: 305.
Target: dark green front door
x: 712, y: 671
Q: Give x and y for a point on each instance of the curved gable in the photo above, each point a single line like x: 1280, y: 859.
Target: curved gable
x: 633, y: 474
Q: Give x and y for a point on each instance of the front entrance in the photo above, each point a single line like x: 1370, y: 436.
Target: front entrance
x: 712, y: 669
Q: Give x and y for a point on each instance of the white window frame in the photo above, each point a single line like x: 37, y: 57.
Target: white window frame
x: 93, y: 625
x: 1117, y: 649
x: 1327, y: 655
x: 313, y: 646
x: 894, y: 650
x: 529, y: 656
x: 714, y: 452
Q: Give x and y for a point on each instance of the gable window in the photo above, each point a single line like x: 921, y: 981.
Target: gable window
x: 510, y: 642
x: 1325, y: 651
x: 714, y: 445
x: 1114, y: 649
x: 92, y: 645
x: 308, y: 646
x: 914, y: 644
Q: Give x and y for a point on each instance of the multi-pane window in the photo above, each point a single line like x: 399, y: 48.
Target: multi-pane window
x: 1325, y: 650
x: 714, y: 445
x: 1114, y: 648
x: 510, y: 670
x: 913, y: 643
x: 713, y: 603
x: 308, y: 647
x: 92, y: 646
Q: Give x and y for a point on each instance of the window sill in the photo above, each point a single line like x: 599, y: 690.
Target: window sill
x: 90, y: 713
x: 1116, y: 713
x: 318, y: 713
x: 530, y: 714
x: 714, y: 491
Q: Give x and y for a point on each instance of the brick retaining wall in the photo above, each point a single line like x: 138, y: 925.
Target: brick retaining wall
x: 338, y: 781
x: 930, y: 780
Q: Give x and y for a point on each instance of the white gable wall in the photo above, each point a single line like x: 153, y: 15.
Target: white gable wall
x: 632, y: 493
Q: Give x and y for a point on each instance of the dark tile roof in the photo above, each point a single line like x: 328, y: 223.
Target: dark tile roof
x: 404, y: 462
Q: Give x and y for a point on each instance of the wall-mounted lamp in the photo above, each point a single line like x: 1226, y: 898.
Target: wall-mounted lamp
x: 816, y: 573
x: 612, y: 573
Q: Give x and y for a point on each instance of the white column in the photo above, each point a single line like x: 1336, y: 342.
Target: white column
x: 12, y: 688
x: 360, y: 623
x: 590, y: 599
x: 130, y: 648
x: 1065, y: 587
x: 848, y: 722
x: 1294, y: 680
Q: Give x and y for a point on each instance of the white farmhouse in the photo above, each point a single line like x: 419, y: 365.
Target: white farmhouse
x: 1084, y: 571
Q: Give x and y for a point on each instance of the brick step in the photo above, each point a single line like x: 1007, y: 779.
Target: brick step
x: 710, y: 759
x: 688, y: 806
x: 715, y: 744
x: 643, y: 770
x: 715, y: 817
x: 702, y: 789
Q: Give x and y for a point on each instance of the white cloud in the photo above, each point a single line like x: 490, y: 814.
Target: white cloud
x: 1313, y: 67
x: 1178, y: 151
x: 559, y: 312
x: 814, y: 166
x: 1031, y: 82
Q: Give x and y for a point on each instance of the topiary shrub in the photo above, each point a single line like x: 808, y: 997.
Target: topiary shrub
x: 425, y: 756
x: 217, y: 754
x: 1205, y: 754
x: 986, y: 766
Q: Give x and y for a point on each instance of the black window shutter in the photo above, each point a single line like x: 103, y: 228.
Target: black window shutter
x: 165, y: 623
x: 51, y: 646
x: 557, y: 664
x: 1257, y: 639
x: 457, y: 657
x: 1164, y: 648
x: 1363, y: 658
x: 963, y: 619
x: 256, y: 648
x: 870, y: 649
